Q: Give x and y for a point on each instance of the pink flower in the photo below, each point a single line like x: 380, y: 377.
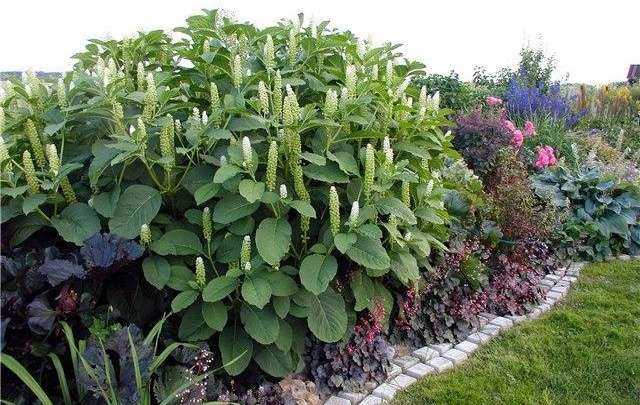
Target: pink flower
x: 529, y: 129
x: 493, y: 101
x: 518, y: 138
x: 546, y: 157
x: 510, y: 126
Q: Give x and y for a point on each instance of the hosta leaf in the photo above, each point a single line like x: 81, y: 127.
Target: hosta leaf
x: 327, y: 317
x: 369, y: 253
x: 219, y: 288
x: 329, y: 173
x: 105, y: 203
x: 251, y: 190
x: 272, y: 240
x: 235, y: 343
x: 274, y: 361
x: 314, y: 158
x: 215, y: 315
x: 245, y: 124
x: 25, y: 226
x: 184, y: 300
x: 76, y: 223
x: 392, y: 205
x: 363, y: 290
x: 193, y: 327
x: 317, y: 271
x: 177, y: 242
x: 261, y: 324
x: 137, y: 205
x: 256, y: 290
x: 232, y: 208
x: 157, y: 271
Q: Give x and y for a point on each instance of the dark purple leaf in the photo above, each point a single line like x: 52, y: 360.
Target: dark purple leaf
x: 41, y: 316
x: 57, y: 271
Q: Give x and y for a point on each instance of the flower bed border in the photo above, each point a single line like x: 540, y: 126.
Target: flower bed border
x: 437, y: 358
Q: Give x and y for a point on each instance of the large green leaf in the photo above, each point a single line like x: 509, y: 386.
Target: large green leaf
x: 405, y: 267
x: 184, y: 300
x: 317, y: 271
x: 256, y: 289
x: 137, y: 205
x: 219, y: 288
x: 215, y: 314
x: 369, y: 253
x: 327, y: 317
x: 235, y: 343
x: 261, y: 324
x: 281, y: 284
x: 274, y: 361
x: 272, y: 239
x: 232, y: 208
x: 30, y: 203
x: 157, y: 271
x: 329, y: 173
x: 76, y: 223
x: 363, y: 290
x: 391, y: 205
x: 251, y: 190
x: 177, y: 242
x: 193, y: 327
x: 24, y: 226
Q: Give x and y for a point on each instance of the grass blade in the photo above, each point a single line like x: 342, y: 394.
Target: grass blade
x: 24, y: 375
x: 62, y: 378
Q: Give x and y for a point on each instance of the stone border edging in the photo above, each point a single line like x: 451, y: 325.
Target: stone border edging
x: 440, y: 357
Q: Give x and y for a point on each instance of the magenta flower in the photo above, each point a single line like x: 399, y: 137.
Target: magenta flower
x: 510, y: 126
x: 529, y: 129
x: 546, y: 157
x: 518, y: 138
x: 493, y: 101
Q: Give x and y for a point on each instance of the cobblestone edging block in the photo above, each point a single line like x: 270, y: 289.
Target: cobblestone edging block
x: 408, y: 369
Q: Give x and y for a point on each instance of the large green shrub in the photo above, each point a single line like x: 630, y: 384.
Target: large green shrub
x: 288, y: 166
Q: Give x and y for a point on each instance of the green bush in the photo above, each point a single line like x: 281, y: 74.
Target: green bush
x: 454, y: 93
x: 286, y: 165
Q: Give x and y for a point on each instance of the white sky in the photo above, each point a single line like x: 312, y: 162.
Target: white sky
x: 594, y: 41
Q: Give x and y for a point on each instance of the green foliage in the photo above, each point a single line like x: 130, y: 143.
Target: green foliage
x: 605, y: 213
x: 158, y: 135
x: 454, y: 93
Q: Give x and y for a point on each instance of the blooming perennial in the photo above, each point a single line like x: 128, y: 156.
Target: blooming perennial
x: 493, y: 101
x: 529, y: 129
x: 546, y: 157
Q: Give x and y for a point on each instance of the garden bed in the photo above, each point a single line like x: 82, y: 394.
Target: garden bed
x: 266, y: 216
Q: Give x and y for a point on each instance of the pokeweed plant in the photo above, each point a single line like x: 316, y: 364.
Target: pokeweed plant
x: 282, y: 164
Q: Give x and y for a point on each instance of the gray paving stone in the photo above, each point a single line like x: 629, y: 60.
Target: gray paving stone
x: 624, y: 257
x: 552, y: 277
x: 371, y: 400
x: 403, y: 381
x: 426, y: 353
x: 440, y: 364
x: 394, y: 372
x: 419, y: 370
x: 516, y: 319
x: 570, y: 279
x: 405, y: 361
x: 455, y: 355
x: 547, y: 282
x: 502, y: 322
x: 544, y: 307
x: 466, y: 346
x: 353, y: 397
x: 491, y: 330
x: 441, y: 347
x: 337, y: 401
x: 535, y: 313
x: 488, y: 315
x: 479, y: 338
x: 554, y: 295
x: 550, y: 301
x: 385, y: 391
x: 572, y: 273
x: 560, y: 290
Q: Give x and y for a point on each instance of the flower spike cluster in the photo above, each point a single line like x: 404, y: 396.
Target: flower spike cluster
x: 369, y: 172
x: 245, y: 252
x: 30, y: 173
x: 201, y: 277
x: 206, y: 224
x: 334, y: 211
x: 36, y: 144
x: 272, y: 166
x: 145, y: 235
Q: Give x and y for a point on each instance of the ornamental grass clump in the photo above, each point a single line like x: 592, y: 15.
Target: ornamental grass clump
x: 275, y: 180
